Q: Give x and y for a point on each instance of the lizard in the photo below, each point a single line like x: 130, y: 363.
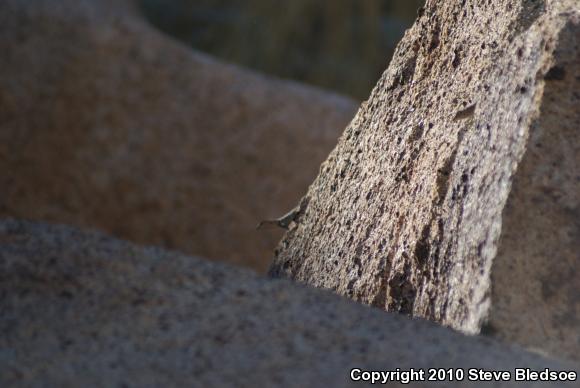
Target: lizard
x: 286, y: 220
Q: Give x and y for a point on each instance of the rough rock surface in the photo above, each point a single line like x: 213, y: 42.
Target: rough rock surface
x: 79, y: 309
x: 105, y: 122
x: 406, y: 212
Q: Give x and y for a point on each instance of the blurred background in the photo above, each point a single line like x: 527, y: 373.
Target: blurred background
x: 343, y: 45
x: 129, y: 133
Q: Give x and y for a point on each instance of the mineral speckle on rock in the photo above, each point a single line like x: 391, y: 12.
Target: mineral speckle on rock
x: 81, y: 309
x: 406, y: 212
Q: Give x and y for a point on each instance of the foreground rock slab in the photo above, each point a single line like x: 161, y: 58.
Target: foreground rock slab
x: 105, y: 122
x: 85, y: 310
x: 406, y: 213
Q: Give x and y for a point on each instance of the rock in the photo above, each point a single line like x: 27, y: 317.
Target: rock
x: 536, y: 273
x: 85, y: 310
x: 406, y: 212
x: 105, y: 122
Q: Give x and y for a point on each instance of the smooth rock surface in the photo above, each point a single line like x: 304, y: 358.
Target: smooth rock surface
x: 406, y: 212
x: 536, y: 274
x: 105, y: 122
x: 80, y: 309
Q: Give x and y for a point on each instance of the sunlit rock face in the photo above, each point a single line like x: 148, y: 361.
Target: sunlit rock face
x: 478, y: 108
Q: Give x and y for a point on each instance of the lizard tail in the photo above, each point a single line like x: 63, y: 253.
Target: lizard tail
x: 263, y: 223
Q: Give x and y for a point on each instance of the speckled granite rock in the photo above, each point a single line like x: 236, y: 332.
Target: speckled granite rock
x: 406, y: 212
x: 79, y: 309
x: 105, y: 122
